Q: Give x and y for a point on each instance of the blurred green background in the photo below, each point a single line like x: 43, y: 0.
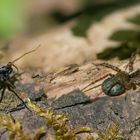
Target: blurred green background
x: 11, y: 17
x: 34, y: 17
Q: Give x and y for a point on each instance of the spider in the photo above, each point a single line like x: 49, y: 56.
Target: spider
x: 8, y: 78
x: 117, y: 84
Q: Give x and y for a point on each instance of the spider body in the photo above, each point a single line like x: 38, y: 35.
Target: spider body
x: 7, y: 81
x: 8, y: 77
x: 5, y: 72
x: 117, y: 84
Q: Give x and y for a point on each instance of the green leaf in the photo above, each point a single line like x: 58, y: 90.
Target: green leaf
x: 135, y: 20
x: 123, y: 51
x: 126, y: 36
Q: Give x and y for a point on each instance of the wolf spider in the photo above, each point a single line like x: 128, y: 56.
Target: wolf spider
x: 8, y: 78
x: 117, y: 84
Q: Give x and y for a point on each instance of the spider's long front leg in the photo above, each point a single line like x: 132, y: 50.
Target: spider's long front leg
x: 107, y: 65
x: 85, y: 88
x: 131, y: 61
x: 12, y: 90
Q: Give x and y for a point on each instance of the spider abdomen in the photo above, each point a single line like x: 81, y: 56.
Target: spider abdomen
x: 112, y: 87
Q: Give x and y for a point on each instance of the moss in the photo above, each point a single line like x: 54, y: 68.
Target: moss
x: 16, y: 131
x: 112, y: 133
x: 58, y: 123
x: 55, y: 122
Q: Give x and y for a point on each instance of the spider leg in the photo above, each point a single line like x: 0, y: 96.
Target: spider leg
x: 109, y: 66
x: 12, y: 90
x: 85, y: 88
x: 2, y: 94
x: 135, y: 82
x: 91, y: 88
x: 13, y: 79
x: 15, y: 75
x: 131, y: 61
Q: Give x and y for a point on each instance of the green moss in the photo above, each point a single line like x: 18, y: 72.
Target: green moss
x: 112, y: 133
x: 57, y: 123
